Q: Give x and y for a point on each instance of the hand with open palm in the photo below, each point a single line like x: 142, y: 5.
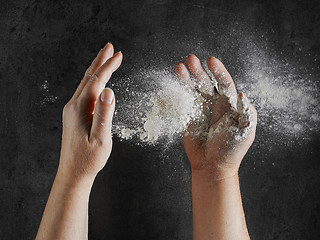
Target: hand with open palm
x: 231, y: 117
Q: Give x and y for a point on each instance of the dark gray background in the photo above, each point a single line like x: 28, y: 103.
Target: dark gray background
x: 145, y: 192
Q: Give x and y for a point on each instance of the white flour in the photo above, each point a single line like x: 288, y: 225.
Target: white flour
x: 158, y: 107
x: 163, y: 112
x: 173, y: 107
x: 155, y: 107
x: 167, y: 111
x: 286, y: 104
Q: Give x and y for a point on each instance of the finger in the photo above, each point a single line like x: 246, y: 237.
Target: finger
x: 225, y: 82
x: 104, y: 54
x: 203, y: 80
x: 97, y: 82
x: 197, y: 69
x: 102, y: 117
x: 247, y: 112
x: 183, y: 75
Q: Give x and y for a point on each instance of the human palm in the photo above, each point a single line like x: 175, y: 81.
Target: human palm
x: 231, y: 118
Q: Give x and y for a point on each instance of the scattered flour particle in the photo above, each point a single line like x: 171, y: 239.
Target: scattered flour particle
x: 297, y: 127
x: 315, y: 117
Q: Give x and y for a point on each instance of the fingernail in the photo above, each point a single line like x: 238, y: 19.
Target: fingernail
x: 106, y: 45
x: 117, y: 55
x: 107, y: 96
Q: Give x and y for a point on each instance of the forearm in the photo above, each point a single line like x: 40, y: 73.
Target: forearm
x: 66, y: 213
x: 85, y: 148
x: 217, y: 208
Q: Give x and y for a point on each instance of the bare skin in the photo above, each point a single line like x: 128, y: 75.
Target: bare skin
x: 217, y: 206
x: 86, y: 146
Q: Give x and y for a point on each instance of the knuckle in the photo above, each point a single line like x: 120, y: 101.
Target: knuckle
x: 102, y: 141
x: 94, y: 78
x: 71, y: 108
x: 88, y: 73
x: 224, y: 84
x: 100, y: 114
x: 90, y: 95
x: 66, y: 108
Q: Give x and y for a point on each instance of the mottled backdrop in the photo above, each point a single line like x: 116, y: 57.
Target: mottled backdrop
x: 145, y: 192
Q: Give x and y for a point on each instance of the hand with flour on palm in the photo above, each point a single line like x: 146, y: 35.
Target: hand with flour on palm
x: 87, y: 143
x: 215, y: 159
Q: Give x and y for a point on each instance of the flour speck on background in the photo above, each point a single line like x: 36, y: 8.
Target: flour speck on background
x: 47, y: 98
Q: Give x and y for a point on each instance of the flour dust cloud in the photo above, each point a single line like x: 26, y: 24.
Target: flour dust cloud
x: 156, y: 106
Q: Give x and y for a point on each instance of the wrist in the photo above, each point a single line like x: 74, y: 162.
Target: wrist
x: 217, y: 175
x: 72, y: 180
x: 73, y: 170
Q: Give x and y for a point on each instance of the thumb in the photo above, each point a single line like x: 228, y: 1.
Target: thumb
x: 102, y: 118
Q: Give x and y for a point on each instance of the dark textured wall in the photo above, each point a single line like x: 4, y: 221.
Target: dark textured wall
x: 143, y: 193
